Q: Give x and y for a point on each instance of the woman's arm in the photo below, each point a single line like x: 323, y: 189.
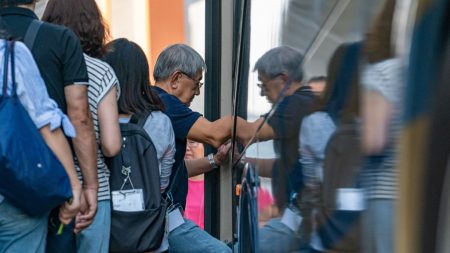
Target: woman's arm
x: 60, y: 147
x: 108, y: 119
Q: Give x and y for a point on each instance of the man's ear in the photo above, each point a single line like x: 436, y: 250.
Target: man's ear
x: 174, y: 79
x: 284, y: 76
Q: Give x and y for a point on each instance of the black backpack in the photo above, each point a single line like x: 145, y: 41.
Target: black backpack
x: 136, y: 167
x: 340, y: 230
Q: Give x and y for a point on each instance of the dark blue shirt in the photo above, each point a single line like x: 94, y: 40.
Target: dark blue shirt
x: 182, y: 119
x: 286, y: 122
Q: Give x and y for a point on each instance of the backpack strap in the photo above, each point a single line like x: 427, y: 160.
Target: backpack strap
x: 139, y: 119
x: 32, y: 31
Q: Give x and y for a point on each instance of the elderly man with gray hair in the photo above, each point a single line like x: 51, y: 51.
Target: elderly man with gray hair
x: 178, y: 73
x: 280, y: 74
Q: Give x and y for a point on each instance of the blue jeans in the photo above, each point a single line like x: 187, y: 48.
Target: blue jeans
x: 20, y: 232
x: 277, y: 237
x: 378, y: 226
x: 189, y: 238
x: 95, y: 238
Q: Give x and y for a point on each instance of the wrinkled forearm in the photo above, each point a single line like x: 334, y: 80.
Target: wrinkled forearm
x: 85, y: 148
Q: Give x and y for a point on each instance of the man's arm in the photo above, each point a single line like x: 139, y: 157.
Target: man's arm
x: 213, y: 133
x: 85, y: 146
x: 84, y: 143
x: 217, y: 132
x: 246, y: 130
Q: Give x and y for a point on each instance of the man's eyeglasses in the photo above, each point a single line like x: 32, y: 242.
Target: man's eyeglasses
x: 198, y: 84
x: 263, y: 85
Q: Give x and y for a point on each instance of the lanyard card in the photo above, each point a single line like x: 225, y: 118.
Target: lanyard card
x: 128, y: 200
x: 350, y: 199
x: 175, y: 219
x: 291, y: 219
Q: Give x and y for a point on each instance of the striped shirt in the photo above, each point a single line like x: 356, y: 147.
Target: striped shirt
x: 380, y: 173
x: 101, y: 80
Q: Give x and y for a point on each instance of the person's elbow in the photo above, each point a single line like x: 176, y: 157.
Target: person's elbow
x: 111, y: 148
x: 215, y: 139
x: 79, y: 115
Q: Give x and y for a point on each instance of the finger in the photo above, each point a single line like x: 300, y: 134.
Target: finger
x: 89, y: 215
x: 65, y: 219
x: 76, y: 231
x: 83, y: 224
x: 64, y: 215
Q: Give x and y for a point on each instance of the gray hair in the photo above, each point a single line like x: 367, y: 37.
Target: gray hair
x: 178, y: 57
x: 284, y: 59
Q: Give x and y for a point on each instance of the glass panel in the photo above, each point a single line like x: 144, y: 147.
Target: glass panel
x: 316, y: 29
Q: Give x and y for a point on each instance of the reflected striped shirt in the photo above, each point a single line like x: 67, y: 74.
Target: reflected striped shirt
x: 380, y: 179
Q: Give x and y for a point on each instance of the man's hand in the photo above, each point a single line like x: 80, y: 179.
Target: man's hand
x: 69, y: 209
x: 88, y: 209
x: 222, y: 153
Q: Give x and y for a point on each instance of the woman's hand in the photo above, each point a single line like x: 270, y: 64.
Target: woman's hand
x: 69, y: 209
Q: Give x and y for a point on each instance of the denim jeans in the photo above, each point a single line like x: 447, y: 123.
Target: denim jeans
x: 277, y: 237
x: 20, y: 232
x: 95, y: 238
x: 189, y: 238
x: 378, y: 226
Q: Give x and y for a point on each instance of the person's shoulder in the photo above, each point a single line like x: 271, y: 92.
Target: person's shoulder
x: 97, y: 64
x: 304, y: 92
x: 160, y: 116
x: 301, y: 96
x: 167, y: 98
x: 23, y: 54
x: 317, y: 118
x: 57, y: 30
x: 58, y: 35
x: 19, y: 47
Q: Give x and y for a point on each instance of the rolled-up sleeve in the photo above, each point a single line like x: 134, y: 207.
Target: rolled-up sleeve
x: 33, y: 95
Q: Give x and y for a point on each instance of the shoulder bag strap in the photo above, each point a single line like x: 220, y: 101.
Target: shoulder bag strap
x: 13, y: 67
x: 32, y: 31
x: 5, y: 70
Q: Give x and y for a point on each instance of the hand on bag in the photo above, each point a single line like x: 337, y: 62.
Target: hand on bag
x: 87, y: 211
x: 69, y: 209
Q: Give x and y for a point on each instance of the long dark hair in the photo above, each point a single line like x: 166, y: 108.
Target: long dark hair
x: 131, y: 67
x: 84, y: 18
x: 340, y: 97
x: 377, y: 46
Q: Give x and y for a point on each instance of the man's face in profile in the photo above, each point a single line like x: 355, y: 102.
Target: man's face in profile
x: 270, y: 88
